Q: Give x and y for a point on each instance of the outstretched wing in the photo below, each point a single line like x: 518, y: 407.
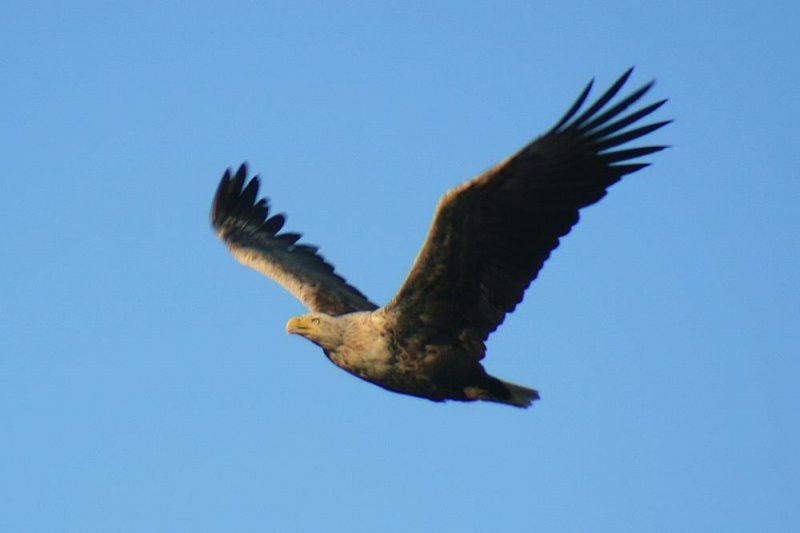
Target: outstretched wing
x: 491, y: 235
x: 253, y: 239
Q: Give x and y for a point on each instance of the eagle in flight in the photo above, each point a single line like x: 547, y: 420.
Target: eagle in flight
x: 488, y: 240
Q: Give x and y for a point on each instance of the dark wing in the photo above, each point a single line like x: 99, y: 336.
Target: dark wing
x: 252, y: 237
x: 491, y: 235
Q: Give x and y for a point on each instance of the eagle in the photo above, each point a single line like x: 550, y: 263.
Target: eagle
x: 488, y: 240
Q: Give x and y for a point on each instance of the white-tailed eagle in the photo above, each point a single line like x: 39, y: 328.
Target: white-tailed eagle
x: 488, y: 240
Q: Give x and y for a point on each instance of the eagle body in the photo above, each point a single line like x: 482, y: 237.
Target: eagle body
x: 489, y: 238
x: 363, y: 343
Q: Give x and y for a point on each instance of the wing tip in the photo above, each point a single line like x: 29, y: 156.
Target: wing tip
x: 230, y: 191
x: 601, y: 111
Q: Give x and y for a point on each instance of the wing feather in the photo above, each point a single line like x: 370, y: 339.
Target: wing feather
x: 252, y: 236
x: 491, y: 235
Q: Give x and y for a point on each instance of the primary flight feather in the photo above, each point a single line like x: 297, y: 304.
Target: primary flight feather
x: 488, y: 240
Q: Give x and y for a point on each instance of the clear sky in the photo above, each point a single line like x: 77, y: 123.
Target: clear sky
x: 147, y: 384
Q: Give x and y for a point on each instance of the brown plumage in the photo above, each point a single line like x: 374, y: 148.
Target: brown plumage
x: 489, y: 238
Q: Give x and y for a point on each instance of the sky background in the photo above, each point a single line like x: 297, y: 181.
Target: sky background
x: 147, y: 384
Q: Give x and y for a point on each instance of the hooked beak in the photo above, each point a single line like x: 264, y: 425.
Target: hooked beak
x: 295, y: 325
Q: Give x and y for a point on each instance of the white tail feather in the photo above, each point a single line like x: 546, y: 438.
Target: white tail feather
x: 520, y: 396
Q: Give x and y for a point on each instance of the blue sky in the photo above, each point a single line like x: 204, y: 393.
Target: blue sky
x: 147, y: 384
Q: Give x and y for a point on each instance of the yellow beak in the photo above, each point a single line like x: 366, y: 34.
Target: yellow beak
x: 295, y: 325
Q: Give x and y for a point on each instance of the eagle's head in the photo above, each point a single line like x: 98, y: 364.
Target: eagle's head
x: 321, y: 329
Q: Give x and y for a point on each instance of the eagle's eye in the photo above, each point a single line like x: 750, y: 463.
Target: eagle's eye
x: 315, y: 320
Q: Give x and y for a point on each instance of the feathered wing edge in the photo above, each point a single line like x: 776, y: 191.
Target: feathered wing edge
x: 491, y: 235
x: 600, y: 135
x: 254, y: 239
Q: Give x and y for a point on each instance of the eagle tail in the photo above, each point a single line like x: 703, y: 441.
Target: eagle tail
x: 518, y: 395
